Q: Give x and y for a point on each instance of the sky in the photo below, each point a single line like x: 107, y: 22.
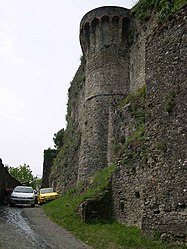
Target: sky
x: 39, y: 56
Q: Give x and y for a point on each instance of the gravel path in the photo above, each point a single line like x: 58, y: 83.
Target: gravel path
x: 26, y: 228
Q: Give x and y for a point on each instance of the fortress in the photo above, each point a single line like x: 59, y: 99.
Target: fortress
x: 128, y: 105
x: 103, y: 36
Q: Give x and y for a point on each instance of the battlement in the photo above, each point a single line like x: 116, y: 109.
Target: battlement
x: 104, y: 27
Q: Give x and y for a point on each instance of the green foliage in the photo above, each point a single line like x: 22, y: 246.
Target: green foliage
x: 23, y: 173
x: 170, y: 102
x: 50, y: 154
x: 100, y: 182
x: 66, y: 208
x: 157, y: 235
x: 36, y: 183
x: 76, y: 85
x: 163, y: 8
x: 135, y: 143
x: 71, y: 143
x: 67, y: 141
x: 137, y: 105
x: 166, y: 9
x: 143, y: 8
x: 116, y: 147
x: 59, y: 139
x: 105, y: 234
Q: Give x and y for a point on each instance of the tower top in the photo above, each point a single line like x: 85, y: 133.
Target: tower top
x: 104, y: 11
x: 104, y: 27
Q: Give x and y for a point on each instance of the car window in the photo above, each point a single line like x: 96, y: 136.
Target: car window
x: 23, y: 190
x: 46, y: 190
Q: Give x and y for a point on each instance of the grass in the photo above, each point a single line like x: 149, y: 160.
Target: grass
x: 99, y: 234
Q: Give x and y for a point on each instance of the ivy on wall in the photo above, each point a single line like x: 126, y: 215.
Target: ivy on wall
x: 162, y: 8
x: 134, y: 144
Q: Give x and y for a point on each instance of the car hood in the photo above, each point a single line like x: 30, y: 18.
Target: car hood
x: 27, y: 195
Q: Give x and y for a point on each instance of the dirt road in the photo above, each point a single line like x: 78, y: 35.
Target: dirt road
x: 29, y: 228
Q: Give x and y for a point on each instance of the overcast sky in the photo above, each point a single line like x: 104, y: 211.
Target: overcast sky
x: 39, y: 55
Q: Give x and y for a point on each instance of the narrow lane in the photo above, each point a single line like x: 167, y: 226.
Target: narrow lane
x: 29, y: 228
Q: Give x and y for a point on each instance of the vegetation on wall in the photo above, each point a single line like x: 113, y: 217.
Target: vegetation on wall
x: 49, y: 154
x: 170, y: 102
x: 134, y: 144
x: 67, y: 207
x: 71, y: 141
x: 99, y: 234
x: 67, y: 140
x: 162, y: 8
x: 58, y: 139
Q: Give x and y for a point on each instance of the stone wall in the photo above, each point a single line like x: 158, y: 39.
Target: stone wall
x: 64, y: 171
x: 150, y: 190
x: 166, y: 81
x: 6, y: 181
x: 49, y: 156
x: 103, y: 37
x: 138, y: 33
x: 149, y: 185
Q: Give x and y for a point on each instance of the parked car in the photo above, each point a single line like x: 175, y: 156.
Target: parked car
x: 46, y: 195
x: 22, y: 195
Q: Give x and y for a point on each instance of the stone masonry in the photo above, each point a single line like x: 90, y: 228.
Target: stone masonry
x: 122, y: 55
x: 103, y: 37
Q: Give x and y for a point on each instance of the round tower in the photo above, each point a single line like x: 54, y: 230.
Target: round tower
x: 104, y: 42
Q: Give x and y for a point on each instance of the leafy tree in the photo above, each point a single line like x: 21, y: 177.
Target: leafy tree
x: 49, y: 155
x: 59, y: 139
x: 36, y: 183
x: 23, y: 173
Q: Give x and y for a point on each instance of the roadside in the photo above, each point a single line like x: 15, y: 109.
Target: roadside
x: 28, y: 228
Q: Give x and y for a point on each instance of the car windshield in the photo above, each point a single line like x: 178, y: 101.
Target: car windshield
x: 23, y: 190
x: 46, y: 190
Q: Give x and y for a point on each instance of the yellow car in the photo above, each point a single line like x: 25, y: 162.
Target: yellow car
x: 46, y: 195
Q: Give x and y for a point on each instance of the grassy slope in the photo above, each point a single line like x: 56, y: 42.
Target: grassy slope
x: 105, y: 234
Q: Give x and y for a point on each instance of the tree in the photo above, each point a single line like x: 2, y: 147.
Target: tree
x: 23, y: 173
x: 59, y: 139
x: 36, y: 183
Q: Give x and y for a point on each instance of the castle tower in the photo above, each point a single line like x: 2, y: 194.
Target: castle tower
x: 103, y: 38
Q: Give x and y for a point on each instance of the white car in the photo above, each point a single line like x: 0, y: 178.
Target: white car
x: 22, y: 195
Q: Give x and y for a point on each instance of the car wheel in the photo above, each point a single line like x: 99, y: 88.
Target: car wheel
x: 32, y: 205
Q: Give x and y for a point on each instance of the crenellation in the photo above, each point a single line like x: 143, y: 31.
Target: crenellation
x: 102, y: 28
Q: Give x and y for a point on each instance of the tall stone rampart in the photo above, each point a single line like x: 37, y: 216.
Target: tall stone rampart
x: 166, y: 126
x: 121, y: 56
x: 149, y: 185
x: 104, y: 41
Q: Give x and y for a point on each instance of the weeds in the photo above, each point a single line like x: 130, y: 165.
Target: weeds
x: 100, y: 234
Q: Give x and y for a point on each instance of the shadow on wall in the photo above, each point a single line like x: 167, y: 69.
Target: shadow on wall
x: 7, y: 183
